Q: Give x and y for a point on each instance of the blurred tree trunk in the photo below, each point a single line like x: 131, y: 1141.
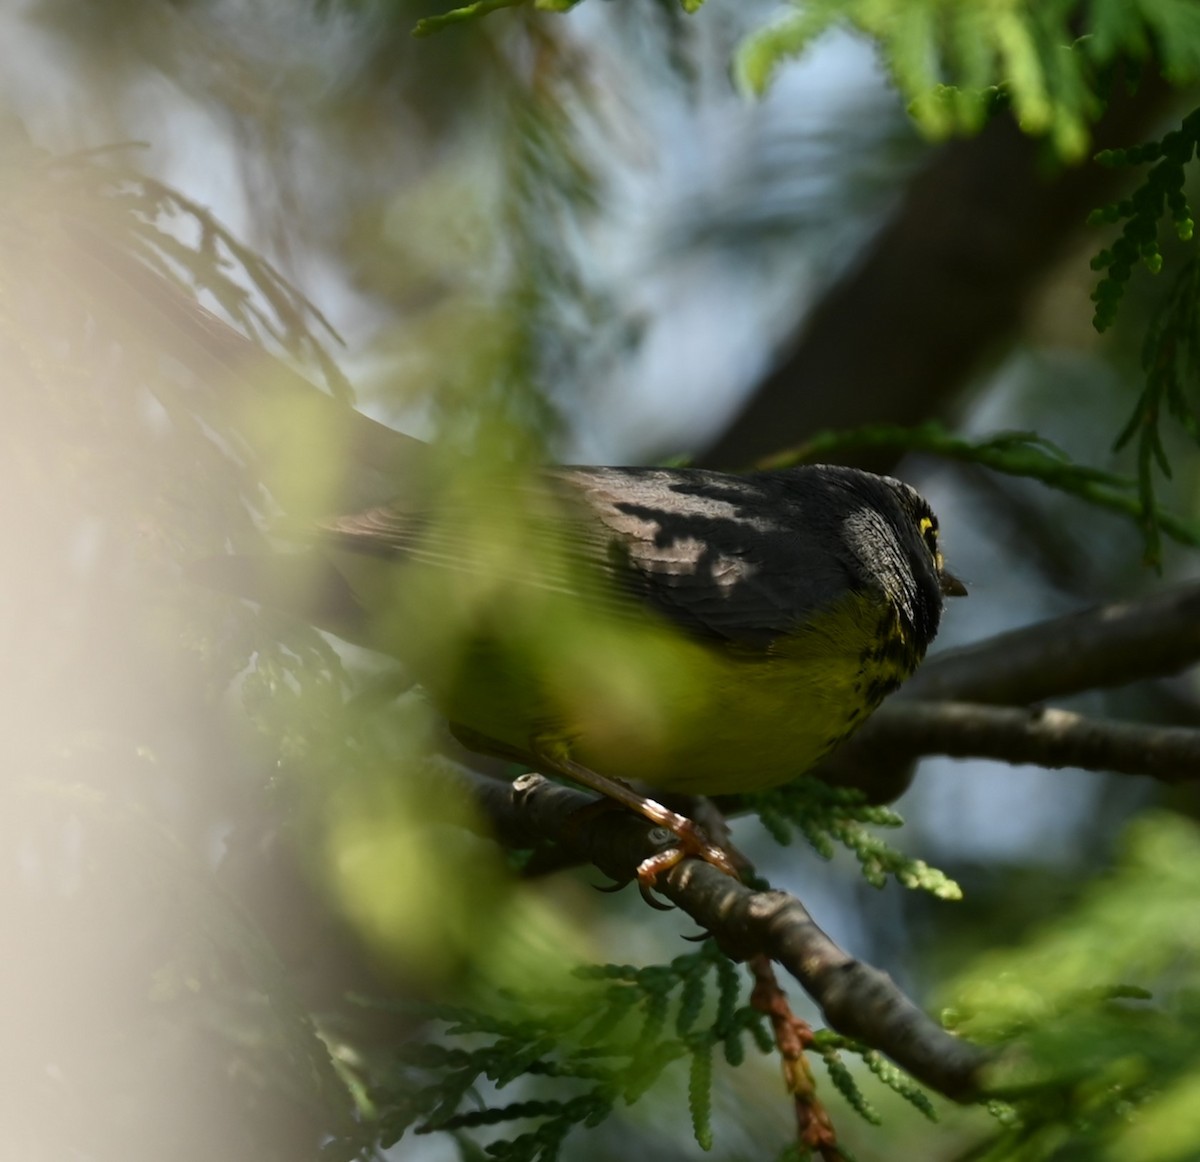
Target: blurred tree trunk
x: 943, y: 287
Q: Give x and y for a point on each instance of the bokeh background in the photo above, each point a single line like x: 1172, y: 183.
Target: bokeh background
x: 576, y: 226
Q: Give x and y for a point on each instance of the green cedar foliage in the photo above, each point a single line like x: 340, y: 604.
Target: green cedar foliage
x: 1170, y: 353
x: 952, y: 61
x: 826, y: 815
x: 1026, y: 454
x: 1094, y: 1068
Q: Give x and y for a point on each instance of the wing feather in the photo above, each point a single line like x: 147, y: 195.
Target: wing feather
x: 739, y: 560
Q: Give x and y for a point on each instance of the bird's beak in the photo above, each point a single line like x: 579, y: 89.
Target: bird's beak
x: 951, y: 585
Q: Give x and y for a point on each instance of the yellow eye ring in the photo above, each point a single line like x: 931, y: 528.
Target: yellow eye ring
x: 924, y: 525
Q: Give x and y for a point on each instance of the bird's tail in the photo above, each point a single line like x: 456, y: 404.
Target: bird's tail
x: 303, y: 585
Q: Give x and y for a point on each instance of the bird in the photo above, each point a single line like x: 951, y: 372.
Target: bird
x: 693, y: 631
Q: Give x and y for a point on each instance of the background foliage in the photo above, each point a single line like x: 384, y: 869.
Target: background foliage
x: 251, y: 921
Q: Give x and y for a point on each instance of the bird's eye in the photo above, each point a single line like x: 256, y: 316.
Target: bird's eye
x: 929, y: 531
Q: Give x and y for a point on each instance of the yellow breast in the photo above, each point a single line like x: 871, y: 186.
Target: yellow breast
x: 687, y: 716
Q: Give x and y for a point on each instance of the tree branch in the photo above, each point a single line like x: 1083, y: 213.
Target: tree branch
x: 855, y: 999
x: 1047, y: 737
x: 1110, y: 645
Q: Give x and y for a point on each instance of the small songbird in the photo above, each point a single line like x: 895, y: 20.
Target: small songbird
x: 695, y: 631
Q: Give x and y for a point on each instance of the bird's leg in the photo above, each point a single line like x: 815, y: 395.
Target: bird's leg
x: 692, y: 840
x: 552, y: 755
x: 709, y: 818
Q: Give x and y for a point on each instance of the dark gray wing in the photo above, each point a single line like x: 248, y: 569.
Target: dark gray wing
x: 740, y: 559
x: 446, y: 538
x: 735, y: 559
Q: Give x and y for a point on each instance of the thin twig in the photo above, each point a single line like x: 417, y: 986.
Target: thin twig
x: 814, y: 1128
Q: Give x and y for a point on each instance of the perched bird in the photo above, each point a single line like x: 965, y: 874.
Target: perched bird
x: 696, y: 631
x: 693, y: 630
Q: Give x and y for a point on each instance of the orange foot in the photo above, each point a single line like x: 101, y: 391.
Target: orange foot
x: 692, y: 843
